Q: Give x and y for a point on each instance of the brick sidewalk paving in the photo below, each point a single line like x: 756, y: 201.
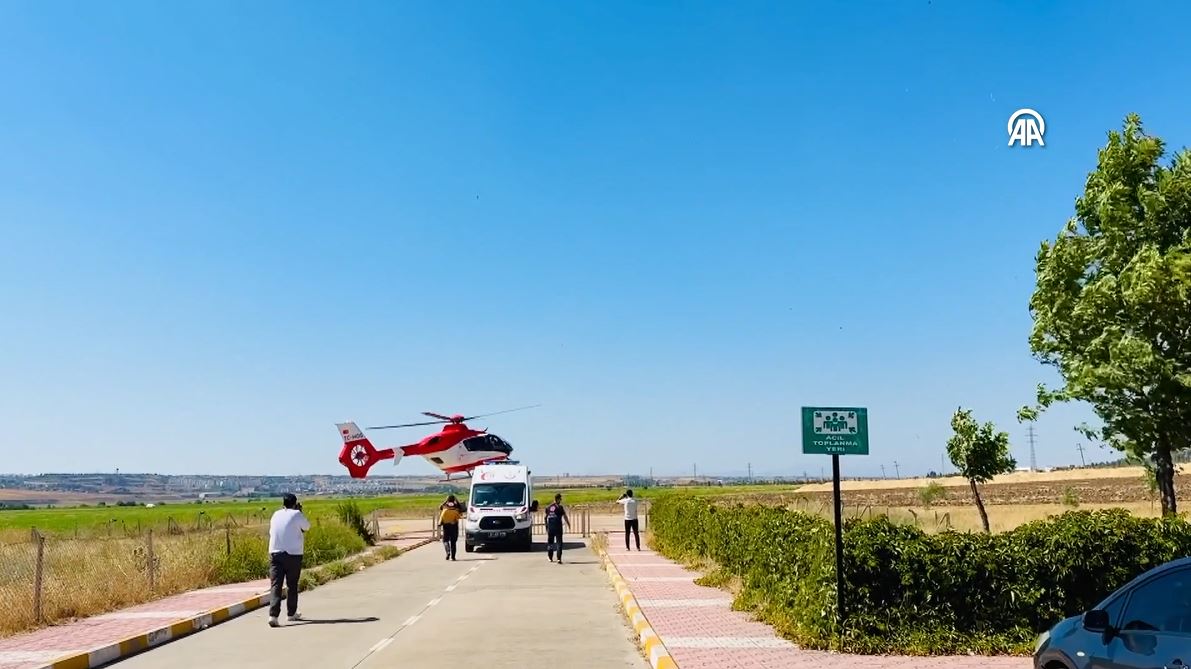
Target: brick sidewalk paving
x: 42, y: 647
x: 700, y: 630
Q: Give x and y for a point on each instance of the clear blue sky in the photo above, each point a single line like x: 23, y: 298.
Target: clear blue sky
x: 225, y: 226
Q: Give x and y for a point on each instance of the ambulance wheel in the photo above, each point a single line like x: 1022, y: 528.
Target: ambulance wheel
x: 468, y: 548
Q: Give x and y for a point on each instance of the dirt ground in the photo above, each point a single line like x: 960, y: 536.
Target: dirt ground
x: 1086, y: 486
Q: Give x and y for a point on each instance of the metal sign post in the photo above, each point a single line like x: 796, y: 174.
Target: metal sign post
x: 836, y: 431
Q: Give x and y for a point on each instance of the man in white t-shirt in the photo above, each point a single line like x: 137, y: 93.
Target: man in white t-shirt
x: 630, y: 518
x: 286, y: 535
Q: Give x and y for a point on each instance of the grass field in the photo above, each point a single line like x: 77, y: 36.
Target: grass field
x: 117, y: 520
x: 1012, y: 499
x: 114, y: 520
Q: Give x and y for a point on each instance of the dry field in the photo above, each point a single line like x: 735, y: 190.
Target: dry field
x: 1011, y: 500
x: 1089, y: 486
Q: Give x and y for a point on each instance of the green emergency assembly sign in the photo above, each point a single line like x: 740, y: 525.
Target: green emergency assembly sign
x: 834, y: 431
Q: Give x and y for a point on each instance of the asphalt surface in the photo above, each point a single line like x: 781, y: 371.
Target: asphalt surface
x: 497, y: 610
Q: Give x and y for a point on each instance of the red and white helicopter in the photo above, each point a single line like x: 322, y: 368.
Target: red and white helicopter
x: 457, y: 448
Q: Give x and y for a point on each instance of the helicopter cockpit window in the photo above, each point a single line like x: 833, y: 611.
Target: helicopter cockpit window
x: 487, y: 442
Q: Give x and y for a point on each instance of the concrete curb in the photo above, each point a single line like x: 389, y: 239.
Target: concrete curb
x: 98, y: 657
x: 659, y: 657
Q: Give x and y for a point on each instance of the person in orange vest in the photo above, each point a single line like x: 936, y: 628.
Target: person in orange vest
x: 448, y: 519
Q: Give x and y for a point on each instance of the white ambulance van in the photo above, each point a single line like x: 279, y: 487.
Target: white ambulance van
x: 500, y: 507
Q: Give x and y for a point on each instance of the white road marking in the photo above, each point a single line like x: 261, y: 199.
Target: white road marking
x: 384, y: 643
x: 380, y: 645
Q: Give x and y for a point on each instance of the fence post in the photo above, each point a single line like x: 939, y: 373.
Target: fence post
x: 38, y: 576
x: 229, y: 541
x: 152, y: 564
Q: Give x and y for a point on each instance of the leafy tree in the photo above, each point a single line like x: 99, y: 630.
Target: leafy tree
x: 1112, y: 306
x: 979, y: 452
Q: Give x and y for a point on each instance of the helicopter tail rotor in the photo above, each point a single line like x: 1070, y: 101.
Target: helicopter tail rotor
x: 358, y: 454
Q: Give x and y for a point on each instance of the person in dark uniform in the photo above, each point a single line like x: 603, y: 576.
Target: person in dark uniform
x: 556, y: 515
x: 448, y: 518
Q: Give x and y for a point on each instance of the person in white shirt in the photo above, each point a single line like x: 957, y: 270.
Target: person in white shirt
x: 630, y: 518
x: 286, y: 535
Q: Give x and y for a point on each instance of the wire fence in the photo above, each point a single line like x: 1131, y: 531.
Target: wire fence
x: 115, y: 527
x: 48, y: 579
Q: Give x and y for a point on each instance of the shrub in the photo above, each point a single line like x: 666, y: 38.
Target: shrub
x: 931, y: 493
x: 327, y: 542
x: 1070, y: 497
x: 909, y: 591
x: 248, y: 560
x: 350, y: 515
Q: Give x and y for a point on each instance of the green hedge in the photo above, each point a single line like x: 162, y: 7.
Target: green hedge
x: 908, y: 591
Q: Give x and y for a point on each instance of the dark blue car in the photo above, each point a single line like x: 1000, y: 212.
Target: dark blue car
x: 1144, y: 625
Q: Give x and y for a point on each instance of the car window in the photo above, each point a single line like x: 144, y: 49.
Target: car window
x: 498, y: 494
x: 1114, y: 609
x: 1161, y: 604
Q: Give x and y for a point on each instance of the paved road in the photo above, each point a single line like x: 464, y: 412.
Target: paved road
x: 496, y: 610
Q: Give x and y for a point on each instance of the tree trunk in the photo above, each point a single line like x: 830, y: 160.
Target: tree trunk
x: 979, y: 504
x: 1164, y: 474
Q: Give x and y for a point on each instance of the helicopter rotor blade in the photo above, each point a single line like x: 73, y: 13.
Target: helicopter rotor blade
x: 390, y: 427
x: 437, y: 415
x: 497, y: 413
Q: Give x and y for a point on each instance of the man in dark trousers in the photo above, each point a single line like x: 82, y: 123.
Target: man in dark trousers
x: 630, y: 518
x: 286, y: 537
x: 556, y: 515
x: 448, y: 518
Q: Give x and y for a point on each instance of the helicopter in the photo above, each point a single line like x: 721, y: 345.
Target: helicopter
x: 456, y: 449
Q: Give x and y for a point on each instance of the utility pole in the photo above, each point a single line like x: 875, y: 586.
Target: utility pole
x: 1079, y: 447
x: 883, y: 471
x: 750, y: 473
x: 651, y: 476
x: 1033, y: 455
x: 897, y: 470
x: 695, y: 472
